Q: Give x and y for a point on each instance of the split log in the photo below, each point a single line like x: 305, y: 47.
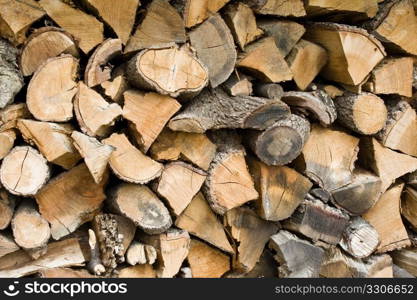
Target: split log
x: 318, y: 104
x: 215, y: 109
x: 139, y: 253
x: 110, y: 241
x: 215, y: 47
x: 43, y: 44
x: 94, y: 114
x: 64, y: 273
x: 151, y: 254
x: 115, y: 88
x: 138, y: 271
x: 199, y: 220
x: 328, y: 157
x: 392, y: 76
x: 400, y: 130
x: 70, y: 200
x: 282, y: 142
x: 7, y: 139
x: 196, y: 11
x: 130, y: 164
x: 409, y: 206
x: 179, y: 73
x: 263, y: 60
x: 11, y: 79
x: 251, y: 234
x: 30, y: 229
x: 15, y: 258
x: 238, y: 85
x: 7, y: 207
x: 119, y: 16
x: 17, y: 17
x: 284, y: 8
x: 353, y: 53
x: 338, y: 265
x: 206, y: 261
x: 360, y: 239
x: 139, y: 204
x: 281, y: 190
x: 53, y: 141
x: 192, y: 147
x: 148, y: 114
x: 366, y: 8
x: 65, y: 253
x: 387, y: 164
x: 396, y: 25
x: 98, y: 69
x: 85, y: 28
x: 161, y: 27
x: 306, y: 60
x: 11, y: 113
x: 363, y: 113
x: 228, y: 183
x: 7, y: 244
x: 407, y: 259
x: 359, y: 195
x: 318, y: 221
x: 136, y: 254
x: 269, y: 90
x: 297, y: 258
x: 52, y: 88
x: 94, y: 265
x: 389, y: 226
x: 96, y: 155
x: 242, y: 22
x: 172, y: 248
x: 24, y: 171
x: 179, y: 174
x: 286, y: 33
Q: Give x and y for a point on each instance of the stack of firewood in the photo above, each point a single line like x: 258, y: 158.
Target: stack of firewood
x: 208, y: 138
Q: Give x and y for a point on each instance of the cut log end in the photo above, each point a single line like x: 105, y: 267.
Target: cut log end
x: 180, y: 73
x: 142, y: 206
x: 282, y: 142
x: 24, y: 171
x: 364, y: 113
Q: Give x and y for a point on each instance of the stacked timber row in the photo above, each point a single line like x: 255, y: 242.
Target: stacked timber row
x: 208, y: 138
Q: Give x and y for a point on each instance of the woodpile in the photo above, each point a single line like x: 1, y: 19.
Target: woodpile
x: 208, y: 138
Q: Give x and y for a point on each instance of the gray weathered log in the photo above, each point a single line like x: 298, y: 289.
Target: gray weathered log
x: 11, y: 80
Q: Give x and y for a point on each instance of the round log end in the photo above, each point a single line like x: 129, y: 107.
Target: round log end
x: 24, y: 171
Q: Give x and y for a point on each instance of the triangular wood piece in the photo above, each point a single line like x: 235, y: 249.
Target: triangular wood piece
x: 385, y: 217
x: 251, y: 233
x: 162, y: 27
x: 198, y: 219
x: 96, y: 155
x: 386, y: 163
x: 53, y: 141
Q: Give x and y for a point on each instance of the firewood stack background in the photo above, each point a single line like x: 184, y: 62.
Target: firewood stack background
x: 208, y: 138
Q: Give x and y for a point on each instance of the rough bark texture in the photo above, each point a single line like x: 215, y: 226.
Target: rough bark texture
x: 11, y: 80
x: 363, y: 113
x: 282, y: 142
x: 215, y: 109
x: 317, y: 103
